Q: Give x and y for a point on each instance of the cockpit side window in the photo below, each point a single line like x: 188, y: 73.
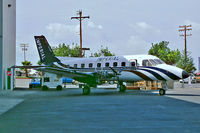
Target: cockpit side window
x: 146, y: 63
x: 158, y: 61
x: 153, y: 62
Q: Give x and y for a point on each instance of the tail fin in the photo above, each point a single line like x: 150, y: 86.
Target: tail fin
x: 46, y: 54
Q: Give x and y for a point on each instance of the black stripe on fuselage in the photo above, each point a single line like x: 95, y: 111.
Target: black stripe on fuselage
x: 141, y: 75
x: 169, y: 74
x: 158, y: 76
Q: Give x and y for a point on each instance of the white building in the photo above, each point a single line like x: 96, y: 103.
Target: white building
x: 7, y: 38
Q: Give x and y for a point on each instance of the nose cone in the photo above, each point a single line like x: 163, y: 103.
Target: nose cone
x: 185, y: 74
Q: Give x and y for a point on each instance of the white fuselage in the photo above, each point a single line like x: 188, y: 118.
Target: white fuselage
x: 132, y: 68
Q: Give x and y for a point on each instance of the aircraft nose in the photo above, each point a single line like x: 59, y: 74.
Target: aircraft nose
x: 185, y: 74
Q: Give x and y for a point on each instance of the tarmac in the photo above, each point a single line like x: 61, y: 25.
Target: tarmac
x: 9, y: 99
x: 103, y: 111
x: 186, y: 94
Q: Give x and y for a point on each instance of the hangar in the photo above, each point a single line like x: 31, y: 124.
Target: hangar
x: 7, y: 38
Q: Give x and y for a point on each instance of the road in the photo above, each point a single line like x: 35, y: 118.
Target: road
x: 108, y: 111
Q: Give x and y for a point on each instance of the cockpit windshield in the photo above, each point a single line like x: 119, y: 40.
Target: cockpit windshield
x: 152, y: 62
x: 159, y: 61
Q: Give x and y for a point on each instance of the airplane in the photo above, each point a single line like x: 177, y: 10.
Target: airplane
x: 94, y: 70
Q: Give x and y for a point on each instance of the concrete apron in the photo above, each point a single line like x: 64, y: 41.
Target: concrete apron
x: 8, y: 103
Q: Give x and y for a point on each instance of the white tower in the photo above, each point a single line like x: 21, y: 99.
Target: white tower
x: 7, y: 38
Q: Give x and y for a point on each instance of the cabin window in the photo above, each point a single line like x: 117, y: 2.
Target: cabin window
x: 133, y: 64
x: 123, y: 64
x: 82, y: 65
x: 146, y: 63
x: 115, y: 64
x: 90, y: 65
x: 107, y: 64
x: 75, y: 65
x: 98, y: 64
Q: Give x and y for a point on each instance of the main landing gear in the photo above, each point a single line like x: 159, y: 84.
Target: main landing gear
x: 122, y: 88
x: 86, y: 90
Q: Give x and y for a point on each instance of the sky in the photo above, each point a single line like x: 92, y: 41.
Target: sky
x: 126, y: 27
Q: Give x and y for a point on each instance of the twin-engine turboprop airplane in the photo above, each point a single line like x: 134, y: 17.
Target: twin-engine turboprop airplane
x: 92, y: 71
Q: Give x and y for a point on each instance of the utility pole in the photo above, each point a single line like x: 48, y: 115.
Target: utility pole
x: 24, y: 48
x: 80, y: 18
x: 184, y: 29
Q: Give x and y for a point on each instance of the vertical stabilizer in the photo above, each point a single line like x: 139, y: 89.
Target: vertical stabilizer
x: 45, y: 52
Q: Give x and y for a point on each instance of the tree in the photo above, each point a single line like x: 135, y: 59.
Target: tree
x: 26, y: 63
x: 172, y: 57
x: 162, y: 51
x: 103, y: 51
x: 75, y: 50
x: 186, y: 64
x: 39, y: 63
x: 65, y: 50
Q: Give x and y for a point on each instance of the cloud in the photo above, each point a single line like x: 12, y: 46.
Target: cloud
x: 143, y: 25
x: 141, y: 37
x: 61, y: 31
x: 93, y: 25
x: 195, y: 25
x: 144, y: 29
x: 136, y: 45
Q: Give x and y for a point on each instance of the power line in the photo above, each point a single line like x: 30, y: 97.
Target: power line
x: 24, y: 48
x: 80, y: 18
x: 184, y: 29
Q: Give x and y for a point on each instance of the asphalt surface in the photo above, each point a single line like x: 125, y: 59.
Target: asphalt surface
x: 108, y: 111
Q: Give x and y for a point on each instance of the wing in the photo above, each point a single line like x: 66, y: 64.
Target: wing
x: 85, y: 77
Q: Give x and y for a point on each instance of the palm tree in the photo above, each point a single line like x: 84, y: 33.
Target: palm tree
x: 26, y: 63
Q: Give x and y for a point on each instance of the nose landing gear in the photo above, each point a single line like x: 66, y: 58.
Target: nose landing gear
x: 162, y: 92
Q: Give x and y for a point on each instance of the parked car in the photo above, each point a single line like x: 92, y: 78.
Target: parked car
x: 67, y: 80
x: 35, y: 83
x: 197, y: 79
x: 186, y: 80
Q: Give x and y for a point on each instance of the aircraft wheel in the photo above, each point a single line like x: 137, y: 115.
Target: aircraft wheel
x: 86, y: 90
x: 162, y: 92
x: 59, y: 88
x: 122, y: 88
